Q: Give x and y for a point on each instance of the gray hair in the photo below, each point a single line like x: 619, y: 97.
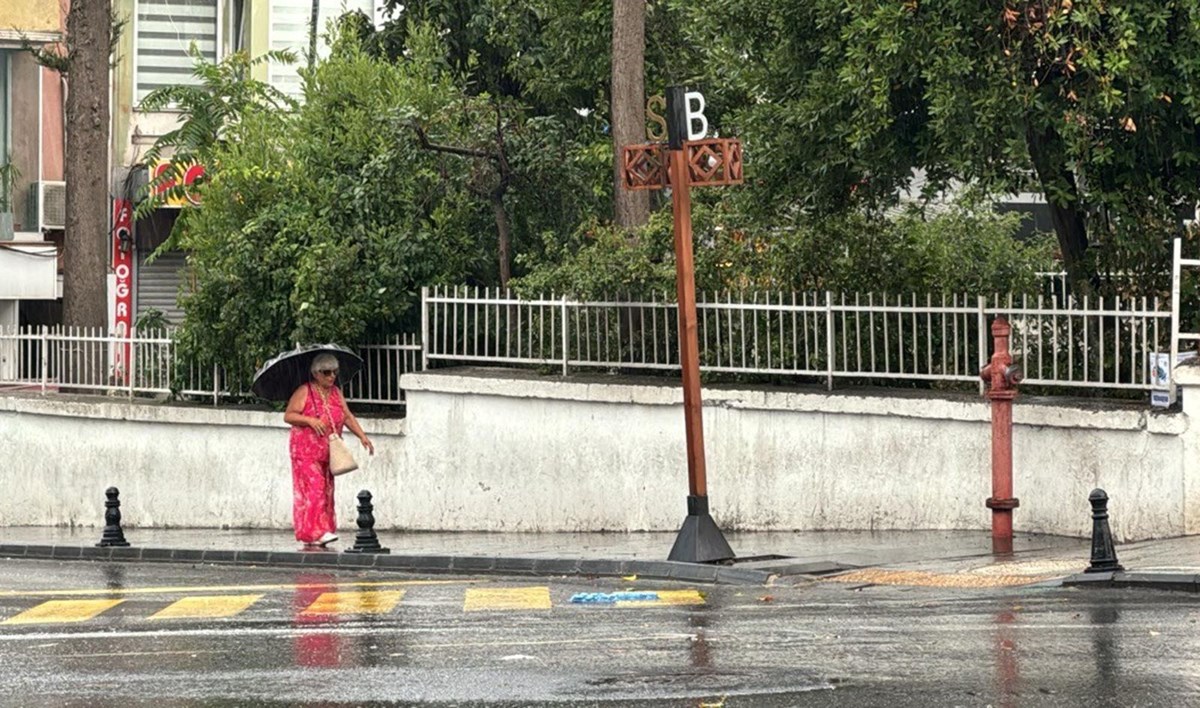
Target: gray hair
x: 323, y: 361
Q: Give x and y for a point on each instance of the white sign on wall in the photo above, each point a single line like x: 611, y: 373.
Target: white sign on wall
x: 1163, y: 393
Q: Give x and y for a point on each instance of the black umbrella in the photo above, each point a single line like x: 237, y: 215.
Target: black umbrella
x: 279, y: 377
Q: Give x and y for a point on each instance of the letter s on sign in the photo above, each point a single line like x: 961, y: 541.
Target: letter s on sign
x: 656, y: 124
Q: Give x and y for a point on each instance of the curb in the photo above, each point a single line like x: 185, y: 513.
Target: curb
x: 1182, y: 582
x: 498, y: 565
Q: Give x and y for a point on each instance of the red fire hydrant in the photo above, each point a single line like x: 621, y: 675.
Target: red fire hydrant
x: 1001, y: 378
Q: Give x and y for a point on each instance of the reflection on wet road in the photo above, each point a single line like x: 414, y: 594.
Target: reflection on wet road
x: 89, y: 634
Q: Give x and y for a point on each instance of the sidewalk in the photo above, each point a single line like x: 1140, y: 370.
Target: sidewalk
x: 1165, y: 564
x: 929, y: 558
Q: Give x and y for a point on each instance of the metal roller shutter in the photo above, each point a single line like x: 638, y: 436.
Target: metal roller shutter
x: 158, y: 285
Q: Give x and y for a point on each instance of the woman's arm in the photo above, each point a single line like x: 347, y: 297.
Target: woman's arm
x: 352, y: 424
x: 294, y: 415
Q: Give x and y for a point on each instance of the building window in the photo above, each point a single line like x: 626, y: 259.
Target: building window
x: 165, y: 30
x: 290, y: 21
x: 20, y: 140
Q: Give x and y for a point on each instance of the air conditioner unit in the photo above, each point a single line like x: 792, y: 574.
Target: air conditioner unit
x: 49, y: 201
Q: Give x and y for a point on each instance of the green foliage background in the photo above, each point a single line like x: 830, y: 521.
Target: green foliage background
x: 320, y: 225
x: 323, y: 218
x: 1091, y: 103
x: 967, y: 249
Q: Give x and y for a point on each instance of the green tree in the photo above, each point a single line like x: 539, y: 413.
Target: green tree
x: 321, y: 224
x: 225, y: 94
x: 1092, y: 103
x: 553, y: 60
x: 529, y: 166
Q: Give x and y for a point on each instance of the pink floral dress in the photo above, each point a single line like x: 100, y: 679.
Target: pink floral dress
x: 312, y: 482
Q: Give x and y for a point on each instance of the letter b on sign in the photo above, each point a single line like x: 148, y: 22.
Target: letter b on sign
x: 685, y: 116
x: 695, y: 116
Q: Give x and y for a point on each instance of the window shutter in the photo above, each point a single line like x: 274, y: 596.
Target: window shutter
x: 165, y: 30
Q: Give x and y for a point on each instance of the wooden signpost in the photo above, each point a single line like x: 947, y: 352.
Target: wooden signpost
x: 688, y: 159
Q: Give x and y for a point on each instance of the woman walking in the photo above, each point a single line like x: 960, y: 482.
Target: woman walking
x: 315, y: 411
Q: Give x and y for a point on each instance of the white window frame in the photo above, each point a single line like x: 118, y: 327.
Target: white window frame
x: 220, y: 47
x: 6, y: 138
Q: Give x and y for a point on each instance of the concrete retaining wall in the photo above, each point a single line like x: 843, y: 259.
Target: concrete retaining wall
x: 175, y: 465
x: 540, y: 454
x: 499, y: 450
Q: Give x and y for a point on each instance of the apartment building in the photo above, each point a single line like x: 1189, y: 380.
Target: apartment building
x: 32, y: 193
x: 153, y: 52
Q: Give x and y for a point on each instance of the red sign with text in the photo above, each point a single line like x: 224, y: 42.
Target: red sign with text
x: 122, y: 265
x: 185, y: 176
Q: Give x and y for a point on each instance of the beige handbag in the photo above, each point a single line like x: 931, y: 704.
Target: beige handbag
x: 340, y: 459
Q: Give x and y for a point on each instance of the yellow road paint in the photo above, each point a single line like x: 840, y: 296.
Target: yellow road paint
x: 177, y: 589
x: 354, y: 603
x: 667, y: 597
x: 531, y: 598
x: 920, y: 578
x: 57, y: 611
x: 206, y: 606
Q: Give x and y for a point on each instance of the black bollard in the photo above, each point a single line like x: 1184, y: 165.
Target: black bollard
x: 1104, y: 554
x: 365, y: 541
x: 113, y: 535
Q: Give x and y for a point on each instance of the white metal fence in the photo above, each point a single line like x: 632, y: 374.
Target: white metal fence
x: 384, y: 362
x: 1101, y: 343
x: 48, y: 360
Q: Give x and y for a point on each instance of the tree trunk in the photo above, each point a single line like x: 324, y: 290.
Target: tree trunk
x: 1045, y: 150
x: 632, y: 209
x: 504, y: 233
x: 87, y: 238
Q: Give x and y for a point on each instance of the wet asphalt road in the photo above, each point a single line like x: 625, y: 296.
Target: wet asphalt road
x: 415, y: 642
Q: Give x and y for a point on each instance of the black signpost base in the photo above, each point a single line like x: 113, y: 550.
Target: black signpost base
x: 699, y: 540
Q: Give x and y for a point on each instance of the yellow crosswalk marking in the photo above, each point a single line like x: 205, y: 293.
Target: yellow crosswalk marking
x: 205, y: 606
x: 55, y: 611
x: 667, y: 597
x: 171, y: 589
x: 531, y: 598
x: 354, y: 603
x: 328, y: 603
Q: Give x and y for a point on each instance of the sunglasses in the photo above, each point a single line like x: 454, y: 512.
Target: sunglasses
x: 328, y: 372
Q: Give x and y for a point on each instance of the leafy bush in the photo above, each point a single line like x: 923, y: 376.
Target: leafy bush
x: 320, y: 225
x: 968, y: 249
